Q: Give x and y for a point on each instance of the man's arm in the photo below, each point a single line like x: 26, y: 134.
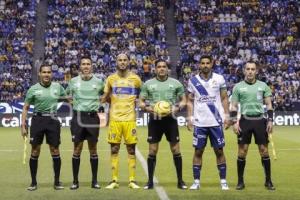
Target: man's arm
x: 180, y: 105
x: 24, y: 131
x: 233, y: 116
x: 268, y: 103
x: 224, y: 99
x: 189, y: 106
x: 143, y: 106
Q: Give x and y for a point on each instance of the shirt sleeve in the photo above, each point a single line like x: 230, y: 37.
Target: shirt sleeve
x: 223, y: 85
x: 107, y: 85
x: 62, y: 91
x: 235, y: 94
x: 180, y: 90
x: 268, y: 91
x: 144, y: 92
x: 68, y: 90
x: 29, y: 96
x: 190, y: 87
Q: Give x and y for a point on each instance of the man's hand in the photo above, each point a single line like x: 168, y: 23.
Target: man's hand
x: 236, y: 128
x: 149, y: 109
x: 227, y: 124
x: 24, y: 131
x: 269, y: 127
x: 190, y: 124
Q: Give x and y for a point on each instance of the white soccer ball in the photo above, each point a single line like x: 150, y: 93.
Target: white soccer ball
x: 162, y: 108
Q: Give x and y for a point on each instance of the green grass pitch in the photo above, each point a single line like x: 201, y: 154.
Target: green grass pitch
x: 14, y: 175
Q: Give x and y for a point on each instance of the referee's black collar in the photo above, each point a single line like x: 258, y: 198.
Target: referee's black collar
x: 45, y: 86
x: 250, y: 83
x: 162, y: 80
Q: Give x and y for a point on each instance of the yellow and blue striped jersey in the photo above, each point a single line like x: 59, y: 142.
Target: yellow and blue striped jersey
x: 124, y: 91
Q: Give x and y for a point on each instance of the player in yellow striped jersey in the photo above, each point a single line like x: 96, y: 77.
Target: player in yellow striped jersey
x: 121, y: 91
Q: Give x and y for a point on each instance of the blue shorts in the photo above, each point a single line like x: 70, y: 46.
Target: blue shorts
x: 215, y: 134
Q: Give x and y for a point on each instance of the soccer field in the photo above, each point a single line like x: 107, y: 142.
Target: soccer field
x: 15, y: 177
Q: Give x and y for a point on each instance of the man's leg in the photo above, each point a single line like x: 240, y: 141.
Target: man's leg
x: 114, y: 166
x: 197, y: 164
x: 175, y: 148
x: 266, y: 163
x: 151, y: 162
x: 241, y: 162
x: 221, y: 164
x: 33, y: 165
x: 131, y: 165
x: 54, y: 150
x: 76, y: 164
x: 94, y: 163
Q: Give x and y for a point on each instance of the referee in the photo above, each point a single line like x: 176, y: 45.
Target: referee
x: 85, y: 90
x: 163, y: 88
x: 252, y: 94
x: 44, y: 96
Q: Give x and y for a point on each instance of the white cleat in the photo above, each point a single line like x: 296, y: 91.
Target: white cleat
x: 224, y: 185
x: 196, y: 185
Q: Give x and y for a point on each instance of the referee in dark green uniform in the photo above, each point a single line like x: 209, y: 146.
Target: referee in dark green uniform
x: 252, y: 94
x: 85, y: 90
x: 44, y: 96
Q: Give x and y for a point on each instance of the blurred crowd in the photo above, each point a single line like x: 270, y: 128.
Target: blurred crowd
x: 17, y: 24
x: 104, y: 29
x: 231, y: 31
x: 234, y: 32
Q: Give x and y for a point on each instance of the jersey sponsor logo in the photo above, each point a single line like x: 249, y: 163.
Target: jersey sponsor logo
x: 38, y: 92
x: 244, y: 89
x: 207, y: 99
x: 125, y: 90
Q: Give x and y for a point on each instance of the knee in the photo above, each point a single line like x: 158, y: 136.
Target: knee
x: 175, y: 150
x: 198, y: 153
x: 131, y: 151
x: 219, y: 152
x: 115, y: 149
x: 54, y: 151
x: 242, y: 153
x: 264, y: 152
x: 153, y: 151
x: 35, y: 152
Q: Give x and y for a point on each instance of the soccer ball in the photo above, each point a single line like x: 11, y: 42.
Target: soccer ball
x: 162, y: 108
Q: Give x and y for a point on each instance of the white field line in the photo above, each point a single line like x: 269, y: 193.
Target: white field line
x: 159, y: 190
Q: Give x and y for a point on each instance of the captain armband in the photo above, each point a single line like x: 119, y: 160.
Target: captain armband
x: 270, y: 115
x: 233, y: 116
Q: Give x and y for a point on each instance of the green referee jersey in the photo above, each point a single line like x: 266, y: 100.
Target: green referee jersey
x: 155, y: 90
x: 251, y: 96
x: 86, y: 94
x: 44, y: 99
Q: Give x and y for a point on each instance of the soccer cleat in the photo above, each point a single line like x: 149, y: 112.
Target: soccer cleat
x: 95, y: 185
x: 74, y: 186
x: 149, y: 186
x: 224, y: 185
x: 240, y: 185
x: 269, y: 185
x: 32, y: 187
x: 181, y: 185
x: 112, y: 185
x: 58, y: 186
x: 195, y: 186
x: 133, y: 185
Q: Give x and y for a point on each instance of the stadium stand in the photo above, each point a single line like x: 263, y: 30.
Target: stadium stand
x: 104, y: 29
x: 17, y: 23
x: 237, y: 31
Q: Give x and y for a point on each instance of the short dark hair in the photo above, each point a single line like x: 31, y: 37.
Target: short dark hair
x: 44, y: 65
x: 160, y: 60
x: 252, y: 62
x: 209, y: 57
x: 85, y: 55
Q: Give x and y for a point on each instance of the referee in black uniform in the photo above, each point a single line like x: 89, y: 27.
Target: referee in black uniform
x: 44, y: 96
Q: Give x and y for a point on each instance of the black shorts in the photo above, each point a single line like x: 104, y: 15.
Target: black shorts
x: 256, y: 126
x: 85, y: 126
x: 45, y: 125
x: 158, y: 127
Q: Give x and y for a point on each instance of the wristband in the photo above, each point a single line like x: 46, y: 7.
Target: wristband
x: 233, y: 116
x: 270, y: 115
